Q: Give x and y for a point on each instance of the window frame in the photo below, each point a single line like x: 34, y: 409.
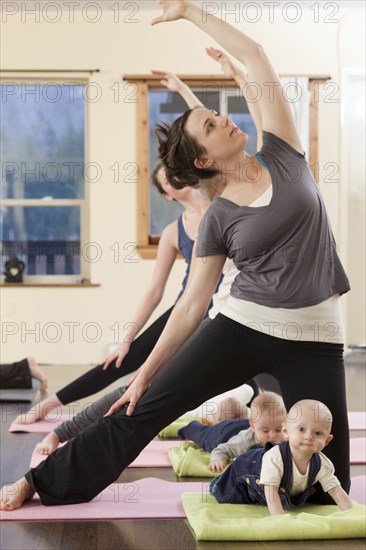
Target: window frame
x: 61, y: 78
x: 146, y: 245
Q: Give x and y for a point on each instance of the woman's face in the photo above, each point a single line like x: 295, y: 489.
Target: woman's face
x: 220, y: 137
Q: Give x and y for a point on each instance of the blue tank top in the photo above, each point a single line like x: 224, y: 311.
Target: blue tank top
x: 185, y: 245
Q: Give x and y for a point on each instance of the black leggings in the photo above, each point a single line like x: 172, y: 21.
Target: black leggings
x: 221, y: 356
x: 97, y: 379
x: 15, y: 375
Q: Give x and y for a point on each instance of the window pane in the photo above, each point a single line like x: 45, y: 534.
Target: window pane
x: 239, y: 113
x: 166, y: 106
x: 42, y: 140
x: 46, y: 239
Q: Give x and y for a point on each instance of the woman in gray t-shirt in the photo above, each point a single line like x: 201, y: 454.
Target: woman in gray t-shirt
x: 289, y: 274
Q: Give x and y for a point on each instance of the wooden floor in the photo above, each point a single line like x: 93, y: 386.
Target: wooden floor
x: 169, y: 534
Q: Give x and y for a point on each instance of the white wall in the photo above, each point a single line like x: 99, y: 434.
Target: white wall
x: 118, y: 48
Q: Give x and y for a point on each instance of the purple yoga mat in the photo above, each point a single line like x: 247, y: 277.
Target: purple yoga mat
x: 145, y: 498
x: 41, y: 426
x: 155, y: 455
x: 357, y: 420
x: 358, y: 489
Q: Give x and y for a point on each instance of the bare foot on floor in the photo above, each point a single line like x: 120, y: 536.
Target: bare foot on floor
x: 13, y: 496
x: 37, y: 373
x: 48, y: 444
x: 39, y: 411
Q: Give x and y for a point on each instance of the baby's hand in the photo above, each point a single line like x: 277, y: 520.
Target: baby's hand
x: 217, y: 466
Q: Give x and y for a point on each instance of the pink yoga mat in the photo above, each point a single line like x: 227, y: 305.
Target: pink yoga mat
x: 155, y: 455
x: 358, y: 450
x: 41, y: 426
x: 145, y: 498
x: 358, y: 489
x: 357, y: 420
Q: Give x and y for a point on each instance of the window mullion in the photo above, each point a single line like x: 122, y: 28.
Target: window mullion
x: 223, y: 103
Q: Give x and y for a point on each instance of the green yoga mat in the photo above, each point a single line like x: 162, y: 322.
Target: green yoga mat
x: 189, y: 460
x: 212, y: 521
x: 172, y: 430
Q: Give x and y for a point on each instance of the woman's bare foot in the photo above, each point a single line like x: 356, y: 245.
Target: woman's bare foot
x: 13, y: 496
x: 48, y: 444
x: 37, y: 373
x: 39, y: 411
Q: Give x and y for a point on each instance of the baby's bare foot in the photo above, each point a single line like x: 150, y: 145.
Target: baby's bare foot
x: 37, y: 373
x: 48, y: 445
x: 39, y: 411
x: 13, y: 496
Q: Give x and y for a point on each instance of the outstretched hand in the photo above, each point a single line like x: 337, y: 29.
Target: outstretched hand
x: 217, y: 466
x: 119, y: 354
x: 227, y: 66
x: 169, y: 80
x: 172, y: 10
x: 131, y: 397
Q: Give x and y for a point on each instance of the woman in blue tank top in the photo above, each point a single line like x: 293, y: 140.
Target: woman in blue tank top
x: 137, y: 345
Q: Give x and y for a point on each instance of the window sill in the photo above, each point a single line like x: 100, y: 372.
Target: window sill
x: 147, y: 252
x: 50, y: 285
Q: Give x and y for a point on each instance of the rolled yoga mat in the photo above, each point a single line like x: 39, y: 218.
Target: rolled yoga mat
x: 19, y: 395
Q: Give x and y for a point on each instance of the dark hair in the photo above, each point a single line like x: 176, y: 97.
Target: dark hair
x: 155, y: 180
x: 178, y: 151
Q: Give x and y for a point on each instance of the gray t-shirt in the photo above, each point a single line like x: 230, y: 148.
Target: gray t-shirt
x: 285, y: 252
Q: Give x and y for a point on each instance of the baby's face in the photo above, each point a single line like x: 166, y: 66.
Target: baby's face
x: 310, y: 433
x: 268, y: 428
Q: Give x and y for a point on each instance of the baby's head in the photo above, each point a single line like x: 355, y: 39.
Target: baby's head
x: 308, y: 426
x: 267, y: 415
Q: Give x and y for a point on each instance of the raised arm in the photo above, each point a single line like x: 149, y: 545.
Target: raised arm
x: 231, y: 70
x: 175, y: 84
x: 185, y: 318
x: 277, y: 116
x: 166, y: 255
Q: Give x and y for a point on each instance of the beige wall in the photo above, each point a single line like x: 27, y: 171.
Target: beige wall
x: 125, y: 47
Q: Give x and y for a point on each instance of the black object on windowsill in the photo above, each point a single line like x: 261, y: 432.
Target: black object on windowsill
x: 14, y: 270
